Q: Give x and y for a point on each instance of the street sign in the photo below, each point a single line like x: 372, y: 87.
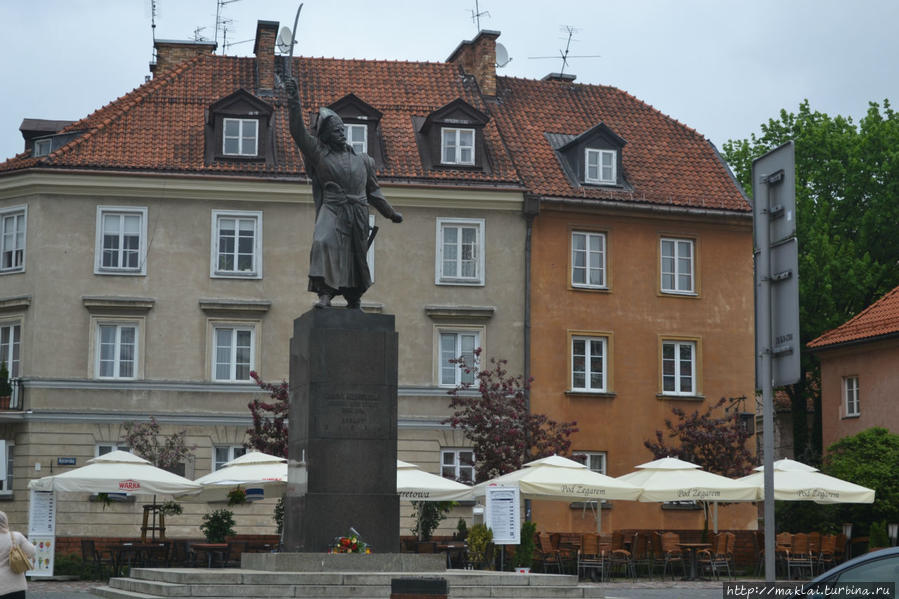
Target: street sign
x: 777, y: 265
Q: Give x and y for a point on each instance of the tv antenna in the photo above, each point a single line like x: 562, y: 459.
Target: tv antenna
x: 198, y: 36
x: 564, y: 53
x: 222, y: 23
x: 476, y: 15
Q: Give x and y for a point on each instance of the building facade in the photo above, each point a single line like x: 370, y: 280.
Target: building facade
x: 158, y: 252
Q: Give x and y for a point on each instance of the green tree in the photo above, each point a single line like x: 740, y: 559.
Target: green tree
x: 847, y: 182
x: 870, y: 459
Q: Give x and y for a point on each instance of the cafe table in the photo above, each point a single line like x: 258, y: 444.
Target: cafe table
x: 210, y: 549
x: 692, y: 549
x: 137, y: 554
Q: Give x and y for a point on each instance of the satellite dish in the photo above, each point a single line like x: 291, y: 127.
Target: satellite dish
x: 502, y: 56
x: 284, y: 40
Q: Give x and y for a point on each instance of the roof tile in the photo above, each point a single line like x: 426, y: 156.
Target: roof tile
x: 879, y: 319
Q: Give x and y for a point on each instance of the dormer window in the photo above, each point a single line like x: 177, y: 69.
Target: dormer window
x: 457, y: 146
x: 357, y: 137
x: 452, y: 137
x: 42, y: 147
x: 600, y: 166
x: 593, y: 157
x: 240, y: 137
x: 239, y: 128
x: 363, y: 126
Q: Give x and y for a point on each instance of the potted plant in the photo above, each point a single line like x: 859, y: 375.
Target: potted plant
x: 461, y: 529
x: 217, y: 525
x: 480, y: 539
x: 428, y: 515
x: 5, y: 387
x: 524, y: 552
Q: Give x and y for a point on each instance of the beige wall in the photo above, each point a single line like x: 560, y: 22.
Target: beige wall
x: 65, y: 399
x: 874, y: 363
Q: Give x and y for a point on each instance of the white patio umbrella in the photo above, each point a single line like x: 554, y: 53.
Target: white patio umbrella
x: 671, y: 479
x: 414, y: 484
x: 795, y: 481
x: 253, y: 470
x: 555, y: 478
x: 560, y: 479
x: 116, y: 472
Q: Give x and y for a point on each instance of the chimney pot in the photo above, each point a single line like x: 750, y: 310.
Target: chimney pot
x: 478, y: 57
x: 171, y: 53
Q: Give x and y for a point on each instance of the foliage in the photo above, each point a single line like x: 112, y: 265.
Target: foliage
x: 803, y: 516
x: 503, y: 432
x: 237, y: 496
x: 171, y: 508
x: 461, y: 529
x: 5, y: 387
x: 278, y: 515
x: 71, y: 564
x: 166, y: 452
x: 877, y: 535
x: 269, y: 431
x: 480, y: 539
x: 715, y: 443
x: 217, y: 525
x: 524, y: 552
x: 871, y: 459
x: 847, y: 179
x: 428, y: 515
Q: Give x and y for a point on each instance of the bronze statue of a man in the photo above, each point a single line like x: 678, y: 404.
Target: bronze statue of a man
x: 343, y: 186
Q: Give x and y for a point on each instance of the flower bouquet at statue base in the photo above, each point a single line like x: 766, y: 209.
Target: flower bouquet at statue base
x: 352, y: 543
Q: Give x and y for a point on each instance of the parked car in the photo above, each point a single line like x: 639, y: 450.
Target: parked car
x: 874, y: 567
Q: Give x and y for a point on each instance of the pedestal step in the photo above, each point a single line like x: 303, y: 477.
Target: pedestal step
x: 160, y: 583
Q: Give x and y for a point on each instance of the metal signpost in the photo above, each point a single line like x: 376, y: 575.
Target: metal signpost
x: 776, y: 302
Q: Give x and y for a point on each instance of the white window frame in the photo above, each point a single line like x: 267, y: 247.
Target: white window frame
x: 12, y: 347
x: 678, y: 270
x: 141, y: 268
x: 241, y: 151
x: 677, y: 344
x: 851, y: 403
x: 7, y: 455
x: 594, y: 260
x: 255, y: 272
x: 349, y: 127
x: 104, y: 448
x: 597, y: 461
x: 459, y: 224
x: 457, y: 146
x: 233, y: 452
x: 16, y: 243
x: 588, y: 356
x: 457, y: 465
x: 234, y: 326
x: 42, y: 147
x: 117, y: 363
x: 600, y: 167
x: 441, y: 367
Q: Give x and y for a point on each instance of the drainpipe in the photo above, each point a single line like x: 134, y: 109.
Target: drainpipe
x: 531, y: 210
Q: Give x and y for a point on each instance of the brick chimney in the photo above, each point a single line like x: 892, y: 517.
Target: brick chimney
x: 478, y: 57
x: 171, y: 53
x: 264, y: 49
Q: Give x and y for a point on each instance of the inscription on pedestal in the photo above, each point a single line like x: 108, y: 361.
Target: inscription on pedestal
x: 351, y: 414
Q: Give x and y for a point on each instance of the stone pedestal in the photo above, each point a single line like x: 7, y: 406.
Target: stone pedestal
x: 342, y: 434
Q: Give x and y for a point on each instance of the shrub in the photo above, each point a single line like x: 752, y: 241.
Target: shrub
x: 217, y: 525
x: 524, y: 552
x: 5, y: 388
x: 480, y: 539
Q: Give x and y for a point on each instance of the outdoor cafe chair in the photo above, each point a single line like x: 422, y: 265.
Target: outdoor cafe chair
x: 672, y: 552
x: 590, y: 558
x: 96, y: 560
x: 549, y: 555
x: 641, y: 552
x: 827, y: 555
x: 620, y: 557
x: 798, y: 557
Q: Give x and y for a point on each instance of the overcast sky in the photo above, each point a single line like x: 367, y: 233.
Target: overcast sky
x: 722, y: 67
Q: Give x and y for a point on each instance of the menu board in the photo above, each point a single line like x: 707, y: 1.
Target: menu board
x: 503, y: 515
x: 42, y: 531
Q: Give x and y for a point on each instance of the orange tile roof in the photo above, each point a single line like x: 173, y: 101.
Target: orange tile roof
x: 877, y: 320
x: 159, y: 127
x: 664, y: 161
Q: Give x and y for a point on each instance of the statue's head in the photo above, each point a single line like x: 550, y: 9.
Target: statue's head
x: 331, y: 130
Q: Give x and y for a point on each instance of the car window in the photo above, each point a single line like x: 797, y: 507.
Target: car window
x: 881, y: 570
